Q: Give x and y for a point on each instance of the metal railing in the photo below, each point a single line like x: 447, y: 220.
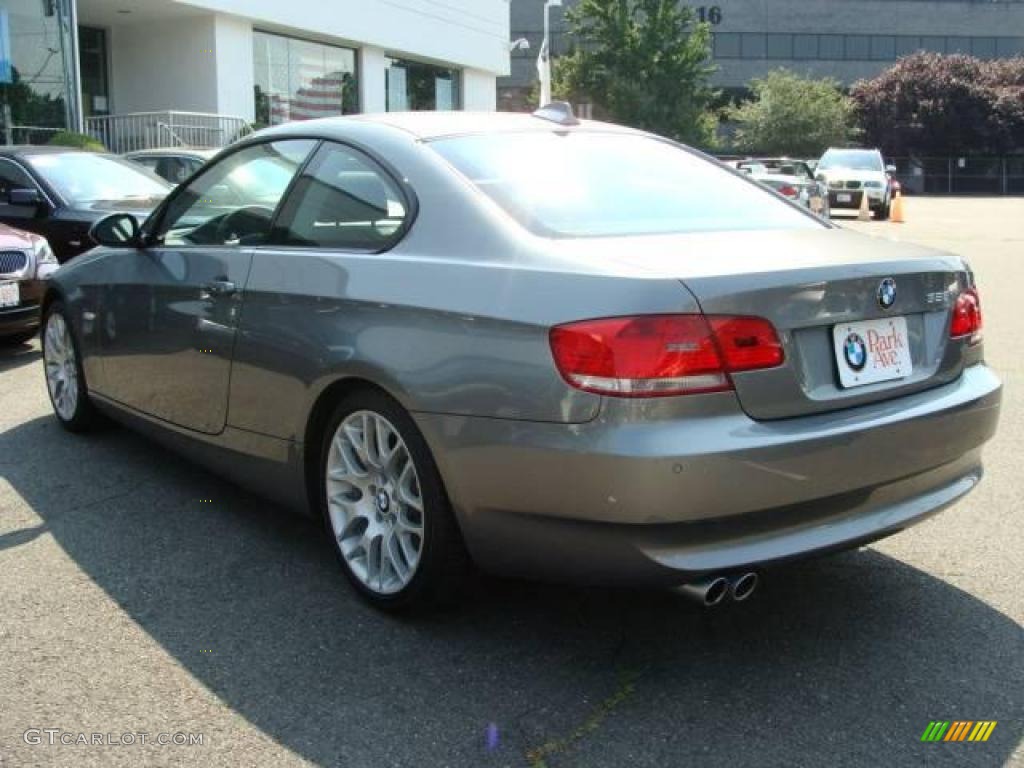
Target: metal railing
x: 159, y: 130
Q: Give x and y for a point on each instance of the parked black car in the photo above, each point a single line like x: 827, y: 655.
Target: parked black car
x: 59, y: 193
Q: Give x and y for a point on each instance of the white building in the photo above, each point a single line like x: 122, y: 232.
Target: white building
x: 89, y: 63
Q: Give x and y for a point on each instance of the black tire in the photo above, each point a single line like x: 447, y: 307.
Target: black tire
x: 84, y: 417
x: 444, y: 562
x: 19, y: 338
x: 882, y: 212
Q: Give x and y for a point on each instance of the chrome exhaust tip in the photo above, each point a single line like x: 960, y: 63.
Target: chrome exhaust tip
x: 708, y: 592
x: 743, y: 586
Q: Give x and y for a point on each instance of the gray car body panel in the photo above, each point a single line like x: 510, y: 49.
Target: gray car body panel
x: 453, y: 322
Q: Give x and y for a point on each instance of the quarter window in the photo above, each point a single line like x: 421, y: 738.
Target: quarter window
x: 344, y: 201
x: 233, y: 202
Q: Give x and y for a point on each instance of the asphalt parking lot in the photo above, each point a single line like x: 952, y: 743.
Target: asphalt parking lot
x: 140, y: 594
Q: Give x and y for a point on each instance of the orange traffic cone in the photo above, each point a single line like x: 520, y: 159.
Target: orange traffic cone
x: 896, y: 214
x: 864, y: 214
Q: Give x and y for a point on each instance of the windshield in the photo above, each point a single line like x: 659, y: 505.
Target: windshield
x: 588, y: 184
x: 854, y: 159
x: 84, y: 177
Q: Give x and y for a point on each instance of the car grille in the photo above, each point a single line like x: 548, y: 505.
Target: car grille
x: 853, y: 185
x: 12, y: 261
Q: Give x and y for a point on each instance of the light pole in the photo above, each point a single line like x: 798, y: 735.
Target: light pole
x: 544, y: 60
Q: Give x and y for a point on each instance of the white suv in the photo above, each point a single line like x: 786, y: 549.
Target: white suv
x: 851, y: 173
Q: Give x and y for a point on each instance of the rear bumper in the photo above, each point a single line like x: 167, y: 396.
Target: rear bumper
x: 664, y: 501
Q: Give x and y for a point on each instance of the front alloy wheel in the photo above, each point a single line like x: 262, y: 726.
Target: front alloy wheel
x: 64, y: 380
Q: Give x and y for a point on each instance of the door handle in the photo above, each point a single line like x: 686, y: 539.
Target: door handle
x: 217, y: 288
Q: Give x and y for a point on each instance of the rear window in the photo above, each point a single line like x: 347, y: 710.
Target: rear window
x: 589, y: 184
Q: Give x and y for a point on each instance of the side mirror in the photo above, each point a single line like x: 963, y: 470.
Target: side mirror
x: 30, y: 198
x: 890, y: 169
x: 118, y: 230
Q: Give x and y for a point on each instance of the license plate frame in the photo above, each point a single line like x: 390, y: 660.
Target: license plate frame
x: 872, y: 351
x: 10, y: 295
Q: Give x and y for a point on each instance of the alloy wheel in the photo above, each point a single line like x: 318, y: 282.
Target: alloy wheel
x: 61, y: 366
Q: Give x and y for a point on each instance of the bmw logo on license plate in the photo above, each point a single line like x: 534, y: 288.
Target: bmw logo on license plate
x: 887, y: 293
x: 855, y: 351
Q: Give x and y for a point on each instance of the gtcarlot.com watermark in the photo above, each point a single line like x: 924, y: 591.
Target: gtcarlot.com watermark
x: 58, y: 736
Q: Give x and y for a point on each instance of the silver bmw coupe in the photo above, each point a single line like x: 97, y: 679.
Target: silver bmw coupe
x: 556, y: 349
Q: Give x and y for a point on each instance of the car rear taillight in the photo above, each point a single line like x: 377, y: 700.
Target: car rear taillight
x: 788, y: 191
x: 967, y: 317
x: 661, y: 355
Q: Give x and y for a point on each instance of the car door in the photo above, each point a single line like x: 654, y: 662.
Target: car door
x: 171, y: 309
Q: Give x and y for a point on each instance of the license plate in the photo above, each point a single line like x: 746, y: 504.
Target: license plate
x: 842, y: 197
x: 872, y: 350
x: 10, y: 296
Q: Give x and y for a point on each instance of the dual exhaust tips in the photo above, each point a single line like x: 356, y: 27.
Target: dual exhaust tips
x: 714, y: 589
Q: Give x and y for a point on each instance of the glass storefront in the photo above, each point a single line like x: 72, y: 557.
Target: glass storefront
x: 37, y: 90
x: 413, y: 85
x: 302, y: 80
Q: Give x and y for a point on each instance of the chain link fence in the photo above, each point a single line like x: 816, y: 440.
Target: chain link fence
x: 960, y: 175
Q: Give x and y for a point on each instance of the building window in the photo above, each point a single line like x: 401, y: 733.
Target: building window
x: 37, y: 92
x: 753, y: 45
x: 413, y: 86
x: 958, y: 45
x: 779, y: 46
x: 805, y: 46
x: 830, y: 47
x: 1009, y: 46
x: 907, y: 44
x: 727, y: 45
x: 302, y: 80
x: 933, y: 44
x: 983, y: 47
x: 883, y: 47
x: 858, y: 47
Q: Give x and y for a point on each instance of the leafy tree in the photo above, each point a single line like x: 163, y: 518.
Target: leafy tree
x: 931, y: 104
x: 643, y: 63
x: 794, y: 115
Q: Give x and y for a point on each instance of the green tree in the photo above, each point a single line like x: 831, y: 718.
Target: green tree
x: 643, y: 63
x: 793, y: 115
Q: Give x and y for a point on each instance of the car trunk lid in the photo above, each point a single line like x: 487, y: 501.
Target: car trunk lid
x: 808, y: 283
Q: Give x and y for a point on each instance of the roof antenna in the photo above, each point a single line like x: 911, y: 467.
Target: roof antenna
x: 558, y: 112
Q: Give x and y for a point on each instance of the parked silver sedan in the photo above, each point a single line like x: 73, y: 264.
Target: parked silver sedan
x: 792, y: 179
x: 562, y: 350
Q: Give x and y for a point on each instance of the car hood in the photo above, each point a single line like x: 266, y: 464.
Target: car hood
x: 141, y: 207
x: 11, y: 238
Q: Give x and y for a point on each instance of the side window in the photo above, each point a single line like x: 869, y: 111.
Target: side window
x: 12, y: 176
x: 344, y: 200
x: 233, y: 202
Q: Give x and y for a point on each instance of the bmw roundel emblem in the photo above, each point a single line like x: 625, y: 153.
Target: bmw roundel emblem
x: 887, y: 293
x: 856, y: 352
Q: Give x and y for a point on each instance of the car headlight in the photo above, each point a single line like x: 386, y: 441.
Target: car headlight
x: 46, y: 259
x: 873, y: 184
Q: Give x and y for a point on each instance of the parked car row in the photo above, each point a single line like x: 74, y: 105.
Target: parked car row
x: 838, y: 180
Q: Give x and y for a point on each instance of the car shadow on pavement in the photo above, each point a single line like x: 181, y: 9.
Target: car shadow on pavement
x: 17, y: 355
x: 842, y: 661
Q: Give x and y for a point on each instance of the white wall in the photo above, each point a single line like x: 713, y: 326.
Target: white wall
x: 468, y: 33
x: 170, y: 65
x: 235, y: 70
x: 479, y: 91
